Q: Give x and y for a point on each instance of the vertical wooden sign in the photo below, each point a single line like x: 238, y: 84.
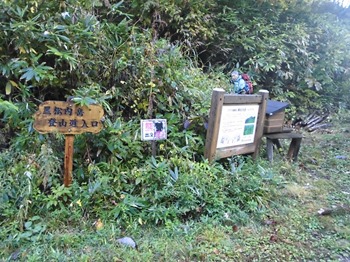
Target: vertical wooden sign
x: 69, y: 119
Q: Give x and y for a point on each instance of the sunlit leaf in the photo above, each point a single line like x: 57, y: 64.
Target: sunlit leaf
x: 8, y: 88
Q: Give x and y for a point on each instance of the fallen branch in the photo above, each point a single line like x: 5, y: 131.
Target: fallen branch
x: 309, y: 117
x: 319, y: 126
x: 337, y: 210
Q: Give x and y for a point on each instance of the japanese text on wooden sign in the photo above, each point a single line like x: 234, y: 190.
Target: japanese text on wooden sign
x: 68, y: 118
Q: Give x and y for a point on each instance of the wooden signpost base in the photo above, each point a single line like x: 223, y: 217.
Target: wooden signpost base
x: 68, y: 160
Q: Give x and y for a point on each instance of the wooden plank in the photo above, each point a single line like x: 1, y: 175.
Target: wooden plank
x: 277, y: 117
x: 242, y: 99
x: 273, y: 129
x: 68, y: 118
x: 287, y: 129
x: 274, y: 122
x: 68, y: 159
x: 217, y: 101
x: 260, y: 121
x: 269, y: 149
x: 283, y: 135
x: 270, y: 146
x: 294, y: 149
x: 238, y: 150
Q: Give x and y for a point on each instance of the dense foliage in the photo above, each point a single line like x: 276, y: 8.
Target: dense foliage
x: 151, y: 59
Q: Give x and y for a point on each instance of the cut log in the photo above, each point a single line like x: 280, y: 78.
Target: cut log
x: 310, y: 116
x: 316, y: 120
x: 312, y: 121
x: 319, y: 126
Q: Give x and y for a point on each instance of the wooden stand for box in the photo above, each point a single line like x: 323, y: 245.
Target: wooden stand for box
x: 273, y: 139
x: 274, y: 130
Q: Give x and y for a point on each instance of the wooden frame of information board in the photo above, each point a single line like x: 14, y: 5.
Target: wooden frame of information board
x: 236, y: 124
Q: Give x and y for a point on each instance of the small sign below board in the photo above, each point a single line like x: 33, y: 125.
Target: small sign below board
x: 68, y: 118
x: 153, y: 129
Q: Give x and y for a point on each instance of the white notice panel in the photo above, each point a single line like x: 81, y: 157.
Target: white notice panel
x: 237, y: 125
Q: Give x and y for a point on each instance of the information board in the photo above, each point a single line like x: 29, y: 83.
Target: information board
x: 237, y: 125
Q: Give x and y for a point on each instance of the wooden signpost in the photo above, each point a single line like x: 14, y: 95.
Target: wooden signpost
x: 69, y: 119
x: 236, y: 124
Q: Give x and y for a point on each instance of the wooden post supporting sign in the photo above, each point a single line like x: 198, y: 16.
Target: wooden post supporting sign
x: 68, y: 159
x: 69, y: 119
